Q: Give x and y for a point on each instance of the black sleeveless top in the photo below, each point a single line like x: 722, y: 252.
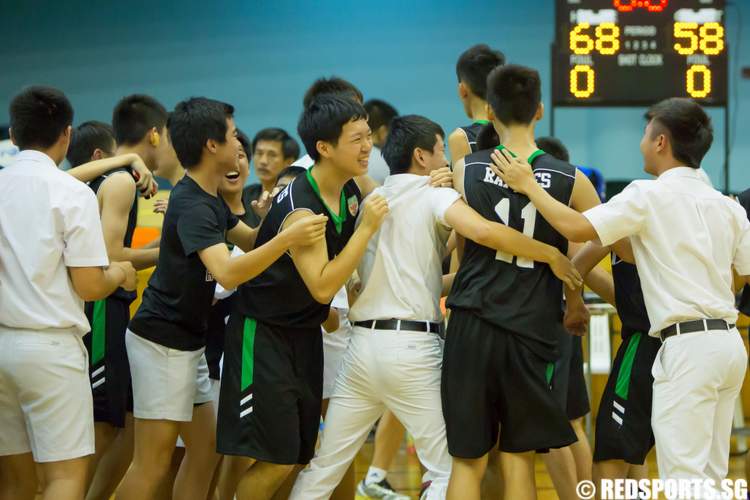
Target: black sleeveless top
x: 260, y: 297
x: 132, y: 221
x: 516, y: 294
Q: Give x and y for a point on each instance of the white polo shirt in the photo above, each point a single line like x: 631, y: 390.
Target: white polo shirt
x: 686, y: 236
x: 49, y: 221
x: 401, y: 270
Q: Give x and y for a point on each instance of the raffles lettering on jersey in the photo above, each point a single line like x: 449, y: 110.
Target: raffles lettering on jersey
x: 543, y: 178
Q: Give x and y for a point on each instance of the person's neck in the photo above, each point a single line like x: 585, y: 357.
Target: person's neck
x: 478, y: 109
x: 53, y: 153
x: 668, y: 165
x: 177, y: 174
x: 138, y: 149
x: 519, y: 139
x: 330, y: 182
x: 205, y: 176
x: 234, y: 202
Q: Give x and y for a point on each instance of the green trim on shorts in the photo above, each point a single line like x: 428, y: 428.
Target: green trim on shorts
x: 622, y: 385
x: 248, y: 352
x: 98, y: 331
x: 550, y: 371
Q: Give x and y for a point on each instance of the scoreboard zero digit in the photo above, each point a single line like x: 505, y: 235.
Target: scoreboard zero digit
x: 638, y: 52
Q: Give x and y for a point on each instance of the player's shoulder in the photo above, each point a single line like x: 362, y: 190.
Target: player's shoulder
x: 545, y: 162
x: 478, y: 159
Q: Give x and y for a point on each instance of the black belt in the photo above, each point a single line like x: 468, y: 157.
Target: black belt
x: 698, y: 325
x: 400, y: 324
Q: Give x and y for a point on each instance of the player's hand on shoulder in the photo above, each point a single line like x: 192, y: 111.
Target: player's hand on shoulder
x: 374, y: 210
x: 566, y: 271
x: 577, y: 317
x: 514, y: 171
x: 442, y: 177
x: 144, y: 178
x: 306, y: 231
x: 130, y: 275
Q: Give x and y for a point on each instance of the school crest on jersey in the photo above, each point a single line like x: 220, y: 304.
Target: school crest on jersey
x: 209, y: 276
x: 353, y: 204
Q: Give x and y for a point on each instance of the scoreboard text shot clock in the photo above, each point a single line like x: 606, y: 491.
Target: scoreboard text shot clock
x: 638, y: 52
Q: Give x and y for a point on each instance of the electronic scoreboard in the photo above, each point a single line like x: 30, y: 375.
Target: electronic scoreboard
x: 638, y: 52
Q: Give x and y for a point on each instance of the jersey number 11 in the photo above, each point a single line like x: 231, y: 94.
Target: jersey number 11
x: 528, y: 214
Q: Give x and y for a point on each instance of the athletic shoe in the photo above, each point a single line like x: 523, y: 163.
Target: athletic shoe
x: 383, y: 490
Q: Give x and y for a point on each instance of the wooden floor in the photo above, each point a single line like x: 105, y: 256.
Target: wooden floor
x: 406, y: 475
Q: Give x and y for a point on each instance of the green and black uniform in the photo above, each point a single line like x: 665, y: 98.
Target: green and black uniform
x: 472, y: 132
x: 272, y: 384
x: 109, y: 370
x: 505, y: 323
x: 623, y: 426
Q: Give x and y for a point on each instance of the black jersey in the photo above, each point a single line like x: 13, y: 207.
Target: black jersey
x: 278, y: 296
x: 95, y: 184
x: 516, y: 294
x: 629, y: 298
x: 250, y: 194
x: 472, y: 132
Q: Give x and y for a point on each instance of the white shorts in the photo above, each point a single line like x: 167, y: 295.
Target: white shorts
x: 45, y: 395
x: 166, y: 382
x: 334, y: 348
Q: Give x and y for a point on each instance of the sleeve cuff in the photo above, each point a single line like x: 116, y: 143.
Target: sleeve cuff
x: 598, y: 219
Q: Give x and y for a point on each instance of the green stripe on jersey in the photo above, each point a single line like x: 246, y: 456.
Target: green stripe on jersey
x: 533, y: 156
x: 248, y: 352
x: 98, y: 331
x: 622, y: 386
x: 550, y: 372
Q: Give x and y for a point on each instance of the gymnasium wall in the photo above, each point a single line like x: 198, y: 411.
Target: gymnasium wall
x: 261, y: 55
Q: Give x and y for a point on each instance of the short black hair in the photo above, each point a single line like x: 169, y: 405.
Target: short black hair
x: 38, y: 116
x: 408, y: 133
x: 245, y: 141
x: 135, y: 115
x: 88, y: 137
x: 554, y: 147
x: 193, y: 122
x: 487, y: 137
x: 475, y: 64
x: 332, y: 85
x: 291, y: 171
x: 688, y: 127
x: 289, y: 146
x: 379, y: 113
x: 514, y: 93
x: 324, y: 119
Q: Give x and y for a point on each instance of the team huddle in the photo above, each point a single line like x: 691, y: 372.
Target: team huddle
x: 286, y: 319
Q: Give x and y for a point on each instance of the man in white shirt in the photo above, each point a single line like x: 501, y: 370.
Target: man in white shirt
x: 686, y: 237
x: 52, y: 258
x: 395, y: 353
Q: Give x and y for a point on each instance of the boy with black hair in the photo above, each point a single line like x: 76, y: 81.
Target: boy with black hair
x: 379, y: 117
x: 506, y: 351
x: 686, y: 237
x: 166, y: 337
x: 472, y: 69
x: 271, y: 389
x: 404, y: 256
x: 45, y: 395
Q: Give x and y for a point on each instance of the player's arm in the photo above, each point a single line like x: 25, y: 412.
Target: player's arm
x: 243, y: 236
x: 117, y: 193
x: 585, y: 258
x: 323, y: 277
x: 458, y: 144
x: 96, y: 283
x: 145, y: 182
x: 448, y: 280
x: 230, y: 272
x: 568, y: 221
x: 469, y: 224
